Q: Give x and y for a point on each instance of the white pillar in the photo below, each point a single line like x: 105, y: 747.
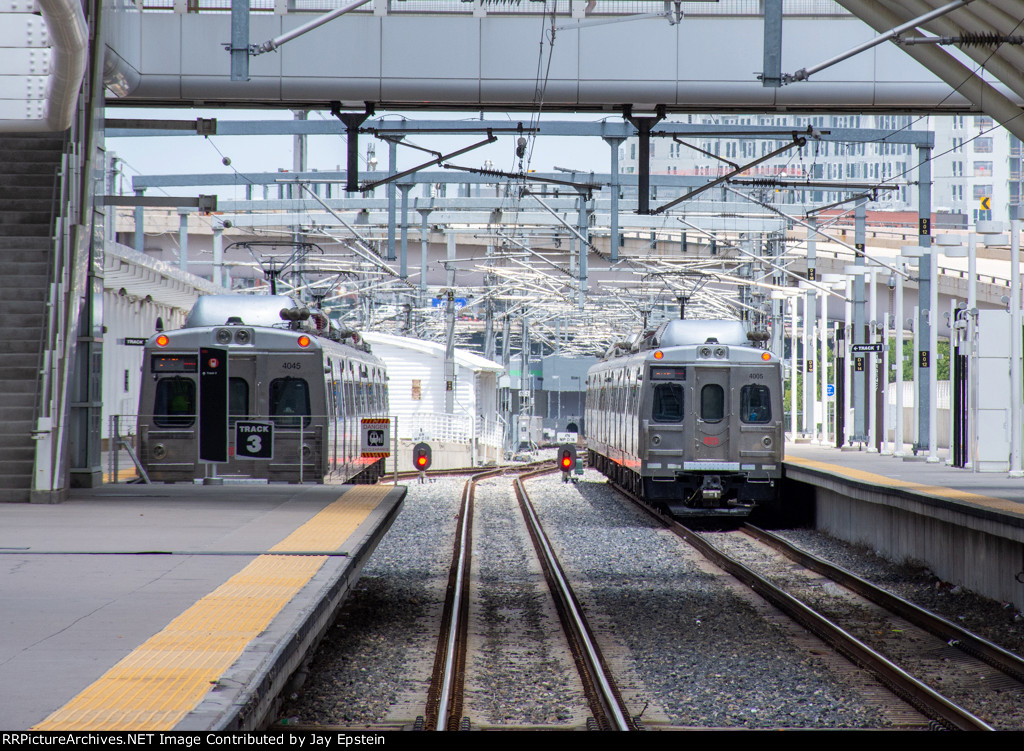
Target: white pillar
x: 873, y: 368
x: 218, y: 256
x: 972, y: 349
x: 914, y: 370
x: 884, y: 390
x: 823, y: 330
x: 808, y: 428
x: 1015, y: 352
x: 792, y: 367
x: 848, y: 426
x: 897, y: 449
x: 933, y: 346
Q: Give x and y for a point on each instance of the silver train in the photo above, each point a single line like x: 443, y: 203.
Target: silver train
x: 690, y: 419
x: 287, y: 367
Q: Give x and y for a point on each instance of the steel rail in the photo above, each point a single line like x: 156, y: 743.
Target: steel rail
x: 444, y: 698
x: 992, y: 654
x: 921, y: 696
x: 604, y: 695
x: 446, y: 677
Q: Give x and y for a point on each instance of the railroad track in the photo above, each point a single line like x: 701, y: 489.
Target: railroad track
x: 941, y: 711
x: 444, y: 709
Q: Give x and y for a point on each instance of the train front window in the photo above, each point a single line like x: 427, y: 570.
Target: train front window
x: 668, y: 403
x: 712, y: 403
x: 289, y: 398
x: 755, y: 404
x: 175, y: 403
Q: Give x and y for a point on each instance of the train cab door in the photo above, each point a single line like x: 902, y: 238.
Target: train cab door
x: 242, y: 391
x: 712, y: 414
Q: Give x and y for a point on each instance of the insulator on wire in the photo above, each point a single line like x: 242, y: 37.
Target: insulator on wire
x: 982, y: 39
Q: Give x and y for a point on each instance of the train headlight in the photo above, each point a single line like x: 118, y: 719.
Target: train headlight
x: 162, y: 340
x: 658, y: 354
x: 766, y: 441
x: 159, y: 451
x: 307, y: 451
x: 304, y: 341
x: 705, y: 351
x: 766, y: 356
x: 243, y: 336
x: 223, y: 336
x: 719, y: 351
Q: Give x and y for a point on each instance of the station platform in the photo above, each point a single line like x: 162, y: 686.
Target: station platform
x: 173, y: 607
x: 994, y: 492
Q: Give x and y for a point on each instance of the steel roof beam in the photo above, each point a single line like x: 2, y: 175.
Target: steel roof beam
x: 118, y: 128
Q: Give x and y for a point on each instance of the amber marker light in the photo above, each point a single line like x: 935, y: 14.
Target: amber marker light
x: 766, y: 356
x: 162, y: 340
x: 303, y: 341
x: 658, y: 354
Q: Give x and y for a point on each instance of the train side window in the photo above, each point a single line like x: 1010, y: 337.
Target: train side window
x: 668, y: 403
x: 238, y: 397
x: 289, y: 398
x: 755, y: 404
x: 175, y: 403
x: 712, y: 403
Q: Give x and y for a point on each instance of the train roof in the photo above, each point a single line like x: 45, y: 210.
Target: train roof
x: 679, y: 333
x: 254, y: 310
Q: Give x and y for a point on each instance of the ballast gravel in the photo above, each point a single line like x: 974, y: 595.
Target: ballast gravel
x: 379, y: 651
x: 705, y: 656
x: 998, y: 622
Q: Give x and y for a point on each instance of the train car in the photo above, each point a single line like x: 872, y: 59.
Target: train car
x: 690, y: 418
x: 287, y: 366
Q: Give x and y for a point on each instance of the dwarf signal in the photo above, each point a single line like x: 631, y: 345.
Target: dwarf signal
x: 566, y: 460
x: 421, y: 457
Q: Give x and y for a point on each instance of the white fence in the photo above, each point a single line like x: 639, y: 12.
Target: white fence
x: 439, y: 426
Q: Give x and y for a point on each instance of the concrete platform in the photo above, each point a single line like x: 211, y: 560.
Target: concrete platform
x: 988, y: 490
x: 967, y: 527
x: 173, y: 607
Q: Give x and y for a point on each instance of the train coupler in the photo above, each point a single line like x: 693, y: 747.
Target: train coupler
x: 711, y: 488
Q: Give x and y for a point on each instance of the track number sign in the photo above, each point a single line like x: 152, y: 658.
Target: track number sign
x: 254, y: 440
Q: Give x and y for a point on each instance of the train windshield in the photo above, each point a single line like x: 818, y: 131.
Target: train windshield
x: 289, y: 398
x: 755, y: 404
x: 175, y: 403
x: 668, y: 403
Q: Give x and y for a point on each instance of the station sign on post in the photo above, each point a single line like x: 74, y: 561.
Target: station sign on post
x: 213, y: 405
x: 876, y: 347
x: 375, y: 437
x: 254, y: 440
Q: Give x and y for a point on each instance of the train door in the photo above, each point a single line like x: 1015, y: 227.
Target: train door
x: 712, y: 414
x: 242, y: 380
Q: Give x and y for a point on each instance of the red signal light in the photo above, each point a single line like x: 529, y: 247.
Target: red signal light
x: 566, y: 460
x: 421, y: 460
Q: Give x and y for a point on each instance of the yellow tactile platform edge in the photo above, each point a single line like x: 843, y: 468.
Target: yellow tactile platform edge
x: 998, y: 504
x: 167, y: 676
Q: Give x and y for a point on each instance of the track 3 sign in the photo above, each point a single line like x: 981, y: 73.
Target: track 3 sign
x: 254, y: 440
